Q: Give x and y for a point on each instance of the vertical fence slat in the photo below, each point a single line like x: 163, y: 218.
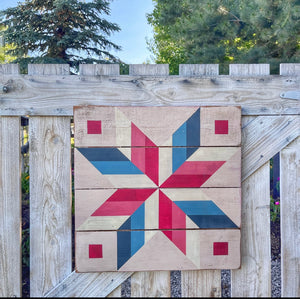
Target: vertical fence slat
x: 290, y: 207
x: 290, y: 219
x: 249, y: 69
x: 10, y: 208
x: 202, y: 283
x: 253, y: 279
x: 289, y: 69
x: 99, y: 69
x: 50, y: 202
x: 149, y: 69
x: 151, y: 284
x: 50, y: 195
x: 116, y: 293
x: 48, y: 69
x: 198, y: 69
x: 9, y: 69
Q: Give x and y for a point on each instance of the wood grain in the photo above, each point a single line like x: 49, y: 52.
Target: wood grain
x: 116, y: 292
x: 201, y: 283
x: 289, y: 215
x: 89, y: 284
x: 56, y: 95
x: 151, y: 284
x: 99, y: 69
x: 249, y: 69
x: 12, y: 69
x: 198, y: 69
x: 48, y: 69
x: 289, y: 69
x: 265, y: 136
x: 253, y: 279
x: 10, y: 208
x: 149, y: 69
x: 50, y: 202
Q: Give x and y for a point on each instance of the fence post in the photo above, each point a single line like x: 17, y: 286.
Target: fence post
x: 10, y: 208
x: 289, y: 215
x: 50, y: 196
x: 10, y: 201
x: 290, y: 207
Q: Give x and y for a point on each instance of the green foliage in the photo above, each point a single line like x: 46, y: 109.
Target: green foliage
x: 4, y: 58
x: 226, y: 31
x: 60, y: 31
x: 274, y: 209
x: 25, y: 185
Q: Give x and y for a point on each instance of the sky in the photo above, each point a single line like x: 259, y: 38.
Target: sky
x: 130, y: 15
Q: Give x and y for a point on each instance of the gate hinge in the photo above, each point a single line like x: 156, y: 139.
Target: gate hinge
x: 294, y: 95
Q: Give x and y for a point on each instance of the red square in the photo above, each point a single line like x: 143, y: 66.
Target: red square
x: 95, y: 251
x: 220, y: 248
x: 94, y: 127
x: 221, y: 127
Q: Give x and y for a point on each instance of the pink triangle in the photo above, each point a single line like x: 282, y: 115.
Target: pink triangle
x: 144, y: 153
x: 192, y: 174
x: 123, y: 202
x: 158, y: 254
x: 172, y: 217
x: 138, y: 138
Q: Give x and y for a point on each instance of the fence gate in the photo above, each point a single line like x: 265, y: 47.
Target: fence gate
x: 270, y: 124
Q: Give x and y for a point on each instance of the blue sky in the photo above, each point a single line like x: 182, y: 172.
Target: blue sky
x: 130, y: 15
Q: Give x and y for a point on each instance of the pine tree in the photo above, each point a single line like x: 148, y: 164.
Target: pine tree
x: 60, y: 31
x: 226, y: 31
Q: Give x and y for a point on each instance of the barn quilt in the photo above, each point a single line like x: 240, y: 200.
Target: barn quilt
x: 157, y: 188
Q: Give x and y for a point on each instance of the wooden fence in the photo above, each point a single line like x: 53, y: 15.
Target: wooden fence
x: 270, y: 124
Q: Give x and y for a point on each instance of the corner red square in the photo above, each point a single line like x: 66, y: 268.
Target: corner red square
x: 221, y: 127
x: 95, y: 251
x: 220, y: 248
x: 94, y: 127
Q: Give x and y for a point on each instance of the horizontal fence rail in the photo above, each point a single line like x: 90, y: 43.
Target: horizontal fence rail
x: 47, y: 94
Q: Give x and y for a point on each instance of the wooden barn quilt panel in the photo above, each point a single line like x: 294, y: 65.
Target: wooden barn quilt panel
x: 157, y: 188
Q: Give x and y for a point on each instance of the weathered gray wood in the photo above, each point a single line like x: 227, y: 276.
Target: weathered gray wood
x: 99, y: 69
x: 50, y: 202
x: 116, y: 293
x: 151, y: 284
x: 48, y: 69
x: 9, y: 69
x: 201, y: 283
x: 149, y: 69
x: 249, y: 69
x: 198, y: 69
x: 253, y: 279
x: 265, y: 136
x: 56, y: 95
x: 89, y: 284
x: 289, y: 69
x: 10, y: 208
x: 290, y: 219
